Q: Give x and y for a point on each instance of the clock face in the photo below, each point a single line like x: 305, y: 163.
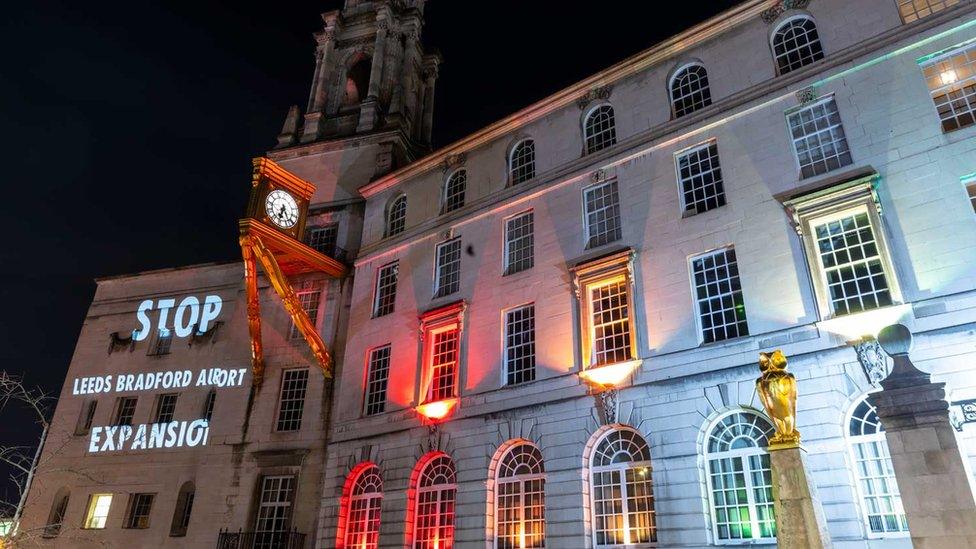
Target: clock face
x: 282, y: 209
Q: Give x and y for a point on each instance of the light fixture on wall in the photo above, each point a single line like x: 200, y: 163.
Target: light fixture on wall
x: 437, y: 410
x: 605, y: 380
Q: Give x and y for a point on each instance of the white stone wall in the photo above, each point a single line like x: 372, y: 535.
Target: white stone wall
x: 891, y: 127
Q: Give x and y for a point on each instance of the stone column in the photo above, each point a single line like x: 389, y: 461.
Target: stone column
x: 932, y: 471
x: 427, y: 101
x: 320, y: 83
x: 368, y: 110
x: 800, y: 519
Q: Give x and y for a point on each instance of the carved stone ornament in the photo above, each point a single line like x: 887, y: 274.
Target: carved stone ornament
x: 770, y: 15
x: 454, y: 161
x: 601, y: 93
x: 872, y: 360
x: 607, y: 402
x: 806, y: 95
x: 117, y: 342
x: 598, y: 175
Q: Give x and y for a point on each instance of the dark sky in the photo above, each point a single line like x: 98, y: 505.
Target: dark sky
x: 127, y: 129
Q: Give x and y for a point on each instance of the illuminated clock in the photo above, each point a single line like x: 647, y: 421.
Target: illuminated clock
x: 282, y: 209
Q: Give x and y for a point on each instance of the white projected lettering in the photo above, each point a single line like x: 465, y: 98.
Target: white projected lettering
x: 189, y: 314
x: 150, y: 381
x: 148, y: 436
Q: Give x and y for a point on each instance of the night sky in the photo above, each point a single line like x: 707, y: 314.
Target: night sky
x: 128, y: 129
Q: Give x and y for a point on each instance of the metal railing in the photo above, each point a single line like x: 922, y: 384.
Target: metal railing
x: 260, y: 540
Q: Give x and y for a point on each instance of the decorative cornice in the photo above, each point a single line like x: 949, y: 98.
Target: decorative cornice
x: 769, y: 15
x: 601, y: 93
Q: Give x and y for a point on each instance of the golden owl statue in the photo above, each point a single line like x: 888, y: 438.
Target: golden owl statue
x: 777, y: 391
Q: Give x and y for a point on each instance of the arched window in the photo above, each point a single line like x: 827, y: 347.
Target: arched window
x: 357, y: 82
x: 454, y: 190
x: 396, y: 216
x: 58, y: 508
x: 363, y: 518
x: 184, y: 508
x: 796, y: 44
x: 599, y: 129
x: 521, y: 162
x: 689, y: 90
x: 621, y: 491
x: 520, y: 499
x: 881, y: 502
x: 739, y: 479
x: 436, y: 493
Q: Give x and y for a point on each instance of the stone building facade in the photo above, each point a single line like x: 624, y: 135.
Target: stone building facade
x: 556, y: 319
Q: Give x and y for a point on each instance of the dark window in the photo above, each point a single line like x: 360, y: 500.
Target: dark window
x: 274, y: 511
x: 357, y: 82
x: 125, y: 410
x: 701, y: 179
x: 601, y: 208
x: 87, y: 417
x: 165, y: 408
x: 184, y: 508
x: 396, y: 217
x: 796, y: 44
x: 689, y: 90
x: 519, y: 243
x: 520, y: 345
x: 58, y: 509
x: 385, y: 295
x: 721, y: 309
x: 208, y: 405
x: 600, y: 130
x: 522, y: 162
x: 140, y: 506
x: 291, y: 403
x: 454, y: 191
x: 323, y: 239
x: 448, y: 268
x: 376, y: 381
x: 164, y: 340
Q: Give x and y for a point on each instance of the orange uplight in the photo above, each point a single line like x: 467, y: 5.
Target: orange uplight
x: 611, y: 375
x: 437, y: 410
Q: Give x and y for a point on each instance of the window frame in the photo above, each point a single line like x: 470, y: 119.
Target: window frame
x: 508, y: 267
x: 92, y: 506
x: 374, y: 500
x: 117, y: 415
x: 439, y: 514
x: 87, y: 417
x: 325, y: 228
x: 793, y: 141
x: 506, y: 372
x: 438, y: 321
x: 209, y: 404
x: 587, y: 233
x: 780, y: 26
x: 139, y: 522
x: 289, y: 505
x: 162, y: 342
x: 747, y: 472
x: 367, y: 388
x: 967, y: 48
x: 948, y: 4
x: 447, y: 208
x: 969, y: 185
x: 377, y: 288
x: 439, y: 291
x: 604, y: 271
x: 520, y: 479
x: 838, y: 201
x: 388, y: 219
x: 612, y: 131
x: 696, y: 301
x: 705, y: 91
x: 294, y: 334
x: 158, y: 407
x: 720, y: 196
x: 183, y: 510
x: 528, y: 167
x: 621, y: 469
x: 278, y: 408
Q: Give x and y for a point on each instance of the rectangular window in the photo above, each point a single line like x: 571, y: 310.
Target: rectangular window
x: 520, y: 345
x: 448, y: 269
x: 519, y: 243
x: 951, y: 78
x: 721, y: 310
x: 140, y: 505
x: 913, y: 10
x: 124, y: 410
x: 818, y: 138
x: 163, y: 342
x: 323, y: 239
x: 97, y: 513
x: 742, y: 490
x: 87, y: 417
x: 609, y: 323
x: 700, y: 179
x: 182, y: 513
x: 291, y: 402
x: 274, y: 511
x: 601, y: 212
x: 165, y: 408
x: 384, y: 300
x: 208, y: 405
x: 851, y: 262
x: 443, y: 365
x: 309, y: 301
x: 376, y: 380
x: 879, y: 488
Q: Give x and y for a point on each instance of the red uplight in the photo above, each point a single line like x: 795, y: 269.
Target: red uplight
x: 437, y: 410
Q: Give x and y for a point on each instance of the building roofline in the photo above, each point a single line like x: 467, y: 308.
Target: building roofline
x: 628, y: 67
x: 110, y: 278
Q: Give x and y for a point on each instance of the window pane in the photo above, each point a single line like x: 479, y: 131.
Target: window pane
x: 444, y: 365
x: 98, y: 508
x: 610, y: 324
x: 139, y: 511
x: 309, y: 301
x: 165, y: 408
x: 689, y: 91
x: 385, y: 295
x: 323, y: 239
x: 913, y: 10
x: 126, y: 410
x: 721, y: 308
x: 379, y: 373
x: 520, y: 345
x: 849, y: 255
x: 519, y: 243
x: 600, y: 130
x: 796, y: 44
x: 952, y: 84
x: 602, y: 211
x: 274, y: 511
x: 448, y: 268
x: 454, y: 191
x: 291, y: 403
x: 436, y: 495
x: 818, y: 139
x: 397, y: 217
x: 363, y: 521
x: 522, y: 164
x: 700, y: 177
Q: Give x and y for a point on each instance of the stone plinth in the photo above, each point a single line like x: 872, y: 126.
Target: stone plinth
x: 799, y: 517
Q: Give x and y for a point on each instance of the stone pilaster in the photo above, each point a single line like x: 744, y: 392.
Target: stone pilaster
x: 369, y: 110
x: 800, y: 519
x: 933, y: 474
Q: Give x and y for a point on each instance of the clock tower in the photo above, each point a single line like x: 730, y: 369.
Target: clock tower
x: 369, y: 112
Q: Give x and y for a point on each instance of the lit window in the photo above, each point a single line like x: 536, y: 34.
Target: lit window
x: 519, y: 243
x: 606, y: 317
x: 913, y: 10
x: 520, y: 499
x: 396, y: 216
x: 721, y: 310
x: 443, y: 365
x: 363, y: 518
x: 309, y: 300
x: 436, y: 494
x: 384, y: 300
x: 291, y: 402
x: 847, y: 255
x: 86, y: 418
x: 951, y: 78
x: 184, y: 508
x: 599, y: 129
x: 124, y: 410
x: 520, y: 345
x: 323, y: 239
x: 689, y: 90
x: 818, y: 138
x: 140, y: 506
x: 621, y: 491
x: 601, y: 212
x: 739, y: 478
x: 454, y: 191
x: 700, y: 178
x: 796, y: 44
x: 97, y: 513
x: 208, y: 405
x: 521, y: 163
x: 881, y: 502
x: 376, y: 380
x: 163, y: 342
x: 58, y: 509
x: 165, y: 408
x: 274, y: 512
x: 447, y: 272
